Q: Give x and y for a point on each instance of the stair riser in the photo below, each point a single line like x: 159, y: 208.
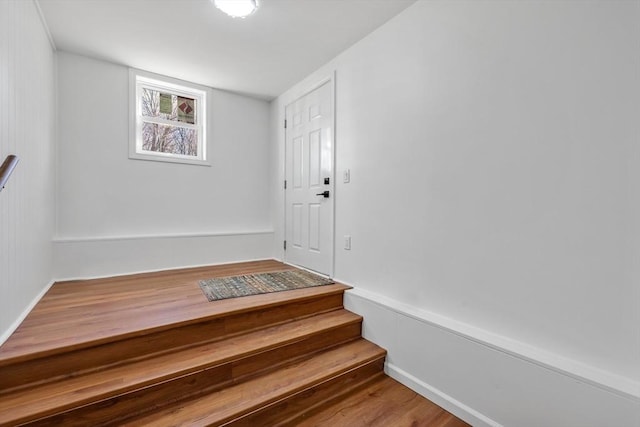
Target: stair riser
x: 74, y: 361
x: 296, y: 406
x: 114, y: 410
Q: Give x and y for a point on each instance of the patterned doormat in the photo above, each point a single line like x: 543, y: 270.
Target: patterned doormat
x: 220, y: 288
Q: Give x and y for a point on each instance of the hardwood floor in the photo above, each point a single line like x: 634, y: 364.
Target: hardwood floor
x: 76, y: 312
x: 149, y: 349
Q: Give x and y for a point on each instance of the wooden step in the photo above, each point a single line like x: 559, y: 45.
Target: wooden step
x: 138, y: 386
x: 383, y: 402
x: 266, y: 398
x: 74, y: 313
x: 224, y: 319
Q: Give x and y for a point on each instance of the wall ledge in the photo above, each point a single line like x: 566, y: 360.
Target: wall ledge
x: 84, y: 239
x: 610, y: 382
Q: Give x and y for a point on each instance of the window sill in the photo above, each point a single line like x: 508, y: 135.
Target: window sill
x: 168, y: 159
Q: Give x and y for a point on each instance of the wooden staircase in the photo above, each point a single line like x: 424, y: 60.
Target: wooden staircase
x: 257, y: 361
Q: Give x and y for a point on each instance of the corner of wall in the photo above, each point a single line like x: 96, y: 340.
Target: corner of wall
x: 27, y: 115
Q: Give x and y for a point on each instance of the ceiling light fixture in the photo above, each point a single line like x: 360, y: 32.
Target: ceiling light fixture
x: 237, y: 8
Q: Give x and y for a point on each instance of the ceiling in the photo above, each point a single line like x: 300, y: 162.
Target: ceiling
x: 261, y: 55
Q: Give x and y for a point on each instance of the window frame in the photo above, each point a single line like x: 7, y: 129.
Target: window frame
x: 138, y: 80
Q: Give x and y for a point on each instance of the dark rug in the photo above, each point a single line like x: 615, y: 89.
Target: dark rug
x: 253, y: 284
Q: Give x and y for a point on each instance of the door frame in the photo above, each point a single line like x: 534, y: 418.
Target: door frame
x: 331, y: 80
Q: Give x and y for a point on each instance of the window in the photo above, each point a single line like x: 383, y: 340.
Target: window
x: 169, y: 120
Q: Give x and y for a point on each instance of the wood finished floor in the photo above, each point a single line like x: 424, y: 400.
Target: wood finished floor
x: 74, y: 313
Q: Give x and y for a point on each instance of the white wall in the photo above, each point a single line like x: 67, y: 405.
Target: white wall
x: 27, y: 119
x: 117, y: 215
x: 494, y: 149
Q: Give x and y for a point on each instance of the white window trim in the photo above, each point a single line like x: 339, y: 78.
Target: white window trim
x: 201, y: 93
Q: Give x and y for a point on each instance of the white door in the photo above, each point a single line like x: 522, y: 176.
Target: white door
x: 309, y: 181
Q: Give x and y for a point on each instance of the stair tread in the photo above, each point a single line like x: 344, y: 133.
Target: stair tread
x: 224, y: 405
x: 67, y: 393
x: 384, y: 402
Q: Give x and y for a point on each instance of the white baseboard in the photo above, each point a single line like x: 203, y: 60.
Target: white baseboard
x: 489, y: 380
x: 12, y: 328
x: 94, y: 257
x: 440, y: 398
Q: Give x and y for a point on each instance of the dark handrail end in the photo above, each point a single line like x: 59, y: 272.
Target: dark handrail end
x: 7, y: 168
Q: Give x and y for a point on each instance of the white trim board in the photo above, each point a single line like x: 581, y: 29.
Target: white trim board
x: 440, y: 398
x: 12, y: 328
x: 476, y: 372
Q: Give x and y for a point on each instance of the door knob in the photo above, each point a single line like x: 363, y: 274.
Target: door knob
x: 324, y: 194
